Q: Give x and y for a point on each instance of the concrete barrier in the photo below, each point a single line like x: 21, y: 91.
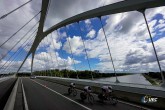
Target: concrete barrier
x: 6, y: 78
x: 24, y: 97
x: 126, y: 92
x: 11, y: 100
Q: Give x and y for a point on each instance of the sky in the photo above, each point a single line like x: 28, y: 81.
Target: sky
x: 130, y: 45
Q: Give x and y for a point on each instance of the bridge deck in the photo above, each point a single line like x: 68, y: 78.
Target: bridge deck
x: 40, y: 97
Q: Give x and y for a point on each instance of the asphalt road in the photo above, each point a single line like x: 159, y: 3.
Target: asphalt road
x: 5, y: 89
x: 44, y: 95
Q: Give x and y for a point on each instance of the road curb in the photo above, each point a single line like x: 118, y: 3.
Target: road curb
x: 24, y: 97
x: 11, y: 100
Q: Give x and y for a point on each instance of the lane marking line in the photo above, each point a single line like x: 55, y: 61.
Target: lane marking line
x: 62, y: 95
x: 24, y: 97
x: 124, y: 102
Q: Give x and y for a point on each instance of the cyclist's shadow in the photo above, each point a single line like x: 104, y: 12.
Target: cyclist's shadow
x: 66, y: 94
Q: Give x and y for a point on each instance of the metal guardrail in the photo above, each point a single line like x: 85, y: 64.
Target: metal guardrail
x: 157, y: 91
x: 128, y: 92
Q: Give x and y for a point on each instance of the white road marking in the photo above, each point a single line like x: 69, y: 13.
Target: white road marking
x: 62, y: 95
x: 24, y: 97
x: 124, y: 102
x: 127, y: 103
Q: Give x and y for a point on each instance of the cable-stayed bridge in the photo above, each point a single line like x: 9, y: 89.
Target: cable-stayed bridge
x: 54, y: 74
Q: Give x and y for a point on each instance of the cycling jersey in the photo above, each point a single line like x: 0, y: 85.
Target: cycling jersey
x: 72, y: 84
x: 87, y: 89
x: 106, y: 89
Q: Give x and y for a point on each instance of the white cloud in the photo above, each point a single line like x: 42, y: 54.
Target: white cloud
x: 76, y: 45
x: 162, y: 30
x: 126, y: 34
x: 88, y: 21
x: 51, y: 42
x: 42, y: 61
x: 129, y: 47
x: 48, y: 60
x: 15, y: 21
x: 88, y: 24
x: 61, y: 10
x: 91, y: 34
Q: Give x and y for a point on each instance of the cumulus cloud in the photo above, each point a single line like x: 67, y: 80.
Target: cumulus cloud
x: 88, y: 21
x: 47, y: 60
x: 76, y: 45
x: 61, y: 10
x: 13, y: 22
x: 127, y: 36
x: 91, y: 34
x: 128, y: 39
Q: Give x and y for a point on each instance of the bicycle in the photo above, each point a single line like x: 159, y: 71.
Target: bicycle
x: 84, y: 95
x: 72, y: 91
x: 112, y: 99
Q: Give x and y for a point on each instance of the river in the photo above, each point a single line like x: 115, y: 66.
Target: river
x: 135, y: 79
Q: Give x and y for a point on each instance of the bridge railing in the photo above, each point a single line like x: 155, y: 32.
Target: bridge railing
x: 6, y: 78
x: 124, y: 91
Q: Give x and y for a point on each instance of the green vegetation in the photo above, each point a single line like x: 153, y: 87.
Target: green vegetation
x: 153, y: 82
x: 154, y: 77
x: 73, y: 74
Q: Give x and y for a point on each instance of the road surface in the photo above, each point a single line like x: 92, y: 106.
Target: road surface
x: 5, y: 89
x: 44, y: 95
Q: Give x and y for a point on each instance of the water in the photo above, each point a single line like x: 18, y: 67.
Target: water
x: 135, y: 79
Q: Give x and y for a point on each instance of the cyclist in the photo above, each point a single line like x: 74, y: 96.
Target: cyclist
x: 106, y: 90
x: 87, y: 89
x: 72, y: 90
x: 72, y: 85
x: 87, y: 94
x: 106, y: 95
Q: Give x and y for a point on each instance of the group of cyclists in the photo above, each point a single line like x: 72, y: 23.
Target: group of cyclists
x: 86, y: 94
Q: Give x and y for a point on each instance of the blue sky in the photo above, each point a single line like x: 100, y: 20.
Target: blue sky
x: 94, y: 24
x: 126, y: 32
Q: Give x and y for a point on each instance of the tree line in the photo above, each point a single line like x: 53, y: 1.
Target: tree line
x: 86, y: 74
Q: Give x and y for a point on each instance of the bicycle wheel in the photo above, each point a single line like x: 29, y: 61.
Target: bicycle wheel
x: 83, y: 96
x: 74, y: 92
x: 90, y: 99
x: 113, y: 100
x: 69, y: 91
x: 100, y: 97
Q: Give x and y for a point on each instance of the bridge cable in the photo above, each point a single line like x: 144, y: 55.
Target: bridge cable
x: 23, y: 46
x: 71, y: 52
x: 19, y: 29
x: 63, y: 55
x: 55, y: 52
x: 85, y: 49
x: 5, y: 15
x: 108, y: 49
x: 46, y: 38
x: 19, y: 48
x: 28, y: 47
x: 47, y: 70
x: 26, y: 52
x: 44, y: 57
x: 9, y: 63
x: 48, y: 58
x: 19, y: 41
x: 46, y: 17
x: 42, y: 70
x: 142, y: 11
